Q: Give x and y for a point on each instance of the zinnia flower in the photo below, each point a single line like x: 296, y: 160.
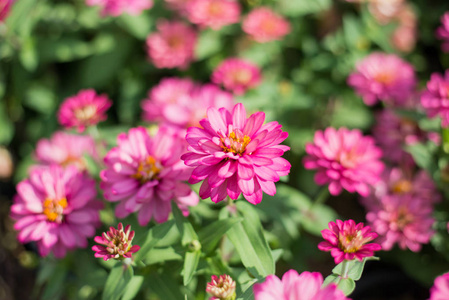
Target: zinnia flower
x: 172, y: 46
x: 145, y: 173
x: 345, y: 159
x: 237, y: 75
x: 83, y: 110
x: 5, y: 6
x: 56, y: 207
x: 233, y: 154
x: 294, y: 286
x: 435, y: 99
x: 384, y: 77
x: 264, y: 25
x: 213, y: 13
x: 117, y: 7
x: 116, y: 243
x: 443, y: 32
x: 440, y: 288
x: 221, y: 288
x: 346, y: 240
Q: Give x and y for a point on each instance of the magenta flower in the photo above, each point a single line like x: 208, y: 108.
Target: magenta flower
x: 213, y: 13
x: 384, y: 77
x: 118, y: 7
x: 264, y: 25
x: 145, y: 173
x: 233, y: 154
x: 172, y: 46
x: 442, y: 32
x: 294, y: 286
x: 221, y: 288
x: 237, y: 75
x: 56, y: 208
x: 5, y: 7
x: 83, y: 110
x: 440, y: 288
x: 347, y: 241
x: 435, y: 99
x: 345, y: 159
x: 116, y: 243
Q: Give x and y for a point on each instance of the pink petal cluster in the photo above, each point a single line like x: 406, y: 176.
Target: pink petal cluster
x: 144, y: 174
x: 213, y: 13
x: 294, y: 286
x: 5, y: 6
x: 234, y: 155
x: 264, y: 25
x: 221, y: 288
x: 57, y: 209
x: 384, y: 77
x: 118, y: 7
x: 178, y: 5
x: 83, y: 110
x: 344, y: 159
x: 440, y: 288
x: 172, y: 46
x: 443, y: 32
x: 435, y: 98
x: 116, y: 243
x: 237, y: 75
x: 181, y: 102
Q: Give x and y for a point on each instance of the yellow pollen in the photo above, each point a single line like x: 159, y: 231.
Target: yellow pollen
x: 147, y: 170
x: 242, y: 76
x: 350, y: 243
x: 385, y: 78
x: 235, y: 144
x: 86, y: 113
x: 402, y: 187
x: 53, y: 209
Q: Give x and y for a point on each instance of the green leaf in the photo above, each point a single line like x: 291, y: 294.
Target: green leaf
x: 164, y: 286
x: 117, y: 281
x: 154, y: 235
x: 6, y: 126
x: 209, y: 43
x: 190, y: 265
x: 158, y: 255
x: 354, y: 268
x: 211, y: 235
x: 297, y: 8
x: 28, y: 55
x: 346, y: 285
x: 186, y: 230
x: 423, y: 156
x: 139, y: 26
x: 133, y: 287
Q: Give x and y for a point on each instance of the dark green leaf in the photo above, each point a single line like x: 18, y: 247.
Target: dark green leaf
x: 154, y: 235
x: 190, y: 264
x: 211, y: 235
x: 118, y: 279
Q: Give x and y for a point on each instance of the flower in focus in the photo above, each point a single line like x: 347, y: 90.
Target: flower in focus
x: 117, y: 7
x: 443, y: 32
x: 83, y: 110
x: 116, y: 243
x: 347, y: 240
x: 213, y: 13
x: 384, y: 77
x: 435, y: 98
x: 233, y: 154
x: 145, y: 173
x: 172, y: 46
x: 56, y: 207
x: 294, y: 286
x: 221, y: 288
x: 440, y: 288
x: 237, y: 75
x: 345, y: 159
x: 264, y: 25
x: 5, y: 6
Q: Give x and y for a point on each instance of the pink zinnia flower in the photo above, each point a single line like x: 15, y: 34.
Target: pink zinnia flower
x: 213, y: 13
x: 345, y: 159
x: 5, y: 6
x: 237, y: 75
x: 178, y: 5
x: 435, y: 99
x: 347, y: 240
x: 172, y: 46
x: 221, y: 288
x: 440, y: 288
x: 234, y: 154
x: 443, y: 32
x: 117, y: 7
x: 264, y: 25
x: 83, y: 110
x: 384, y: 77
x: 116, y: 243
x: 145, y: 173
x: 56, y: 207
x: 294, y: 286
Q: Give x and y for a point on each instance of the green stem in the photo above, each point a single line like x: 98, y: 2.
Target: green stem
x: 322, y: 196
x: 344, y: 271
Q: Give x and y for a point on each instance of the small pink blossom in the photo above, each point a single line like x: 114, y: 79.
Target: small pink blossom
x: 83, y: 110
x: 237, y: 75
x: 213, y: 13
x: 435, y: 99
x: 172, y: 46
x: 443, y: 32
x: 178, y: 5
x: 345, y: 159
x: 384, y: 77
x: 347, y: 241
x: 56, y: 207
x: 294, y: 286
x: 5, y: 7
x: 264, y: 25
x: 118, y: 7
x: 116, y: 243
x: 440, y: 288
x: 221, y: 288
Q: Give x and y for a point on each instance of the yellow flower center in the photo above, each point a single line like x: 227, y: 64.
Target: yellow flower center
x: 235, y: 142
x: 242, y: 76
x: 86, y: 113
x: 402, y: 186
x: 147, y: 170
x: 385, y: 78
x: 53, y: 209
x: 350, y: 243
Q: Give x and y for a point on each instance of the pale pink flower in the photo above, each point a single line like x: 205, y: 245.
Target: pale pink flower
x: 213, y: 13
x: 117, y: 7
x: 435, y: 99
x: 83, y: 110
x: 5, y: 7
x: 178, y: 5
x: 384, y: 77
x: 294, y: 286
x: 234, y: 155
x: 345, y: 159
x: 264, y: 25
x: 57, y: 209
x: 221, y: 288
x: 173, y: 45
x: 145, y: 174
x: 440, y: 288
x: 116, y: 243
x: 237, y: 75
x: 6, y: 163
x: 443, y: 32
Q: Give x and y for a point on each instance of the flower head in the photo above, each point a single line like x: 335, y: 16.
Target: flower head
x: 345, y: 159
x: 116, y: 243
x: 384, y: 77
x: 234, y: 155
x: 264, y: 25
x: 237, y: 75
x: 213, y: 13
x: 443, y: 32
x: 435, y: 98
x: 221, y: 288
x: 440, y: 288
x: 347, y: 240
x: 56, y: 207
x: 172, y: 46
x: 304, y: 286
x: 117, y: 7
x: 83, y: 110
